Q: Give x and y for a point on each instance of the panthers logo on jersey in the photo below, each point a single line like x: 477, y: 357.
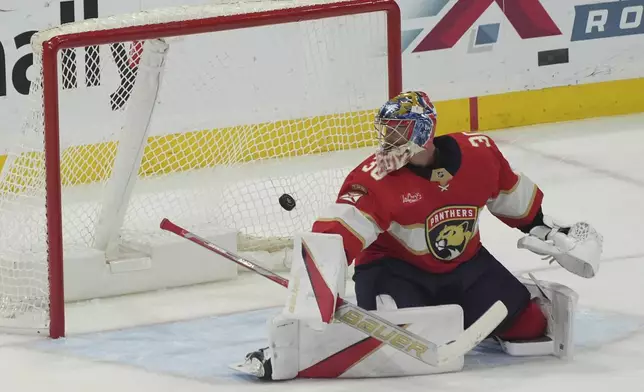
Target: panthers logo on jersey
x: 449, y: 230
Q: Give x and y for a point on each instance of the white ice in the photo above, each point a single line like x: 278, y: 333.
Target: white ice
x: 590, y: 170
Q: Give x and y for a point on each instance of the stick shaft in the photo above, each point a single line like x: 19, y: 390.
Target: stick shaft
x: 171, y: 227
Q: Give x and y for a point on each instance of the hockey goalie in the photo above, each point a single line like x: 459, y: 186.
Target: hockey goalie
x: 408, y: 217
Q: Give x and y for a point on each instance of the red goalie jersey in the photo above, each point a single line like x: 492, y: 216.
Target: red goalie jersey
x: 429, y: 217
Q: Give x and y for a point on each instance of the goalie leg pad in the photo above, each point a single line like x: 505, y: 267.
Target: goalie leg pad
x: 338, y: 351
x: 284, y: 338
x: 559, y: 306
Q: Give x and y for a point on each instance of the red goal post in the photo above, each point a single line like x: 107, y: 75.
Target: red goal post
x: 65, y: 37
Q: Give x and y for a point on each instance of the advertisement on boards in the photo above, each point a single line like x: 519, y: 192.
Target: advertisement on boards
x: 498, y: 46
x: 19, y: 20
x: 451, y: 48
x: 253, y: 75
x: 608, y: 20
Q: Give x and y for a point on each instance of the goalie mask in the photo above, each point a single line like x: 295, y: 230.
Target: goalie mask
x: 405, y: 125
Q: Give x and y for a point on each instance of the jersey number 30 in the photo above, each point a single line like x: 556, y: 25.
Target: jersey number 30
x: 476, y: 139
x: 373, y: 170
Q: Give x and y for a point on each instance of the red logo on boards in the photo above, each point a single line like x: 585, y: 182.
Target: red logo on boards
x: 528, y: 17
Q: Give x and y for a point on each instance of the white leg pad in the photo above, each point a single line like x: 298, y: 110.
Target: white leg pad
x: 283, y: 339
x: 559, y: 307
x: 339, y: 351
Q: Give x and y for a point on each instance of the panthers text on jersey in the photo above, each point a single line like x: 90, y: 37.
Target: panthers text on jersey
x: 429, y: 217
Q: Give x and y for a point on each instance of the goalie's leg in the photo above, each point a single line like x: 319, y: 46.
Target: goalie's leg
x: 296, y: 350
x: 485, y: 280
x: 475, y: 285
x: 389, y: 278
x: 559, y: 303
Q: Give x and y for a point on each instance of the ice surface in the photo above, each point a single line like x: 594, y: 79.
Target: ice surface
x: 589, y: 170
x: 204, y: 348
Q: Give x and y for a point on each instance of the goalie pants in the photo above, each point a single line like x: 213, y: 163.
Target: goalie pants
x: 474, y: 285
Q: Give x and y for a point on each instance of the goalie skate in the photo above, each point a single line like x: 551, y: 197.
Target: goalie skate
x: 257, y: 364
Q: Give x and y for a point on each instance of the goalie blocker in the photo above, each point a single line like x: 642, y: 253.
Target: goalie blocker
x: 304, y: 344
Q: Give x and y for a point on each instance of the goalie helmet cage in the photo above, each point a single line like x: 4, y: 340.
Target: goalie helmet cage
x: 25, y: 179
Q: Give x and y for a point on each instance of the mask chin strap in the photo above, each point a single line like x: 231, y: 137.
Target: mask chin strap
x: 392, y: 159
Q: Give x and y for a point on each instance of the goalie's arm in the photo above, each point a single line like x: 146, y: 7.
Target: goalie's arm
x: 517, y: 200
x: 356, y: 216
x: 517, y: 203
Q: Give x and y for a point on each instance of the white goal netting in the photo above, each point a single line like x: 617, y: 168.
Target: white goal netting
x: 207, y: 129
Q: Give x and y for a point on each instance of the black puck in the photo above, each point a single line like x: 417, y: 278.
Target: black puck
x: 287, y: 202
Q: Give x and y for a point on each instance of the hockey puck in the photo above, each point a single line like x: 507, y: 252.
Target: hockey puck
x: 287, y: 202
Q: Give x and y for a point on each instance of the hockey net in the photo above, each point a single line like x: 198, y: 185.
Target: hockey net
x: 202, y: 114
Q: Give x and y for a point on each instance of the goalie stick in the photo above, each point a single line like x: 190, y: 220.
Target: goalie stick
x: 408, y: 343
